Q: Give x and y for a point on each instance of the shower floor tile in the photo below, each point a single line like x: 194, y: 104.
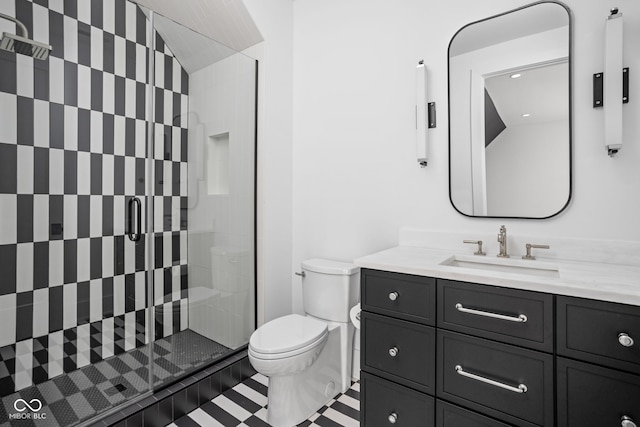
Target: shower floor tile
x: 245, y: 405
x: 81, y: 394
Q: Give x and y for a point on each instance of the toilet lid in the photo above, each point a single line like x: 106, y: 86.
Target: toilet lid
x: 287, y: 333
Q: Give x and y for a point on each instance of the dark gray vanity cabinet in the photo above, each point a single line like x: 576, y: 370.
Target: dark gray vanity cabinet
x: 489, y: 351
x: 504, y: 381
x: 468, y: 308
x: 599, y: 332
x: 385, y: 403
x: 444, y: 353
x: 399, y: 351
x: 402, y: 296
x: 448, y: 415
x: 398, y: 341
x: 601, y: 387
x: 590, y: 395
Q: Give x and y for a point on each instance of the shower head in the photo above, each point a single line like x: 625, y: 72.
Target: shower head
x: 24, y: 46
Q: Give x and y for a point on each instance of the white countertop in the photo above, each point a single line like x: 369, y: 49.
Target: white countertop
x: 606, y: 282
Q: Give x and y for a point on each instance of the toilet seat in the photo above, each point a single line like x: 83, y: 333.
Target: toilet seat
x: 287, y: 336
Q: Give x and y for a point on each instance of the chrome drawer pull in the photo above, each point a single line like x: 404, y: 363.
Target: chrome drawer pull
x: 393, y: 418
x: 393, y: 351
x: 393, y: 296
x: 627, y: 422
x: 625, y: 340
x: 520, y: 389
x: 521, y: 317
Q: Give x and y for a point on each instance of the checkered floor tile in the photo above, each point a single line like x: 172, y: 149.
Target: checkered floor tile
x: 245, y: 405
x: 86, y: 392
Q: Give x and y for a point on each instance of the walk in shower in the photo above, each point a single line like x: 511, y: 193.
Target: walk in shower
x: 127, y: 207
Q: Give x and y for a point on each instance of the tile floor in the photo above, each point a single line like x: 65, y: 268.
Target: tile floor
x: 245, y: 405
x: 81, y: 394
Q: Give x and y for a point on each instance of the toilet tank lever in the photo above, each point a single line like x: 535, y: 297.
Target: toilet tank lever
x: 301, y: 274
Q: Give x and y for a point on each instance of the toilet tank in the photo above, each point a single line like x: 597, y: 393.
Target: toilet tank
x: 330, y: 289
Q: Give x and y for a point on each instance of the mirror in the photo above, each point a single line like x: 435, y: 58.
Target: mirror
x: 510, y: 114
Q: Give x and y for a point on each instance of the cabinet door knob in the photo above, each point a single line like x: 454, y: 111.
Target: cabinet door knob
x: 393, y: 418
x: 625, y: 340
x: 393, y: 351
x: 393, y: 296
x: 627, y: 422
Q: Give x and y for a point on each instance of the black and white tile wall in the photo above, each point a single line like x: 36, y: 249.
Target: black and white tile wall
x: 72, y: 150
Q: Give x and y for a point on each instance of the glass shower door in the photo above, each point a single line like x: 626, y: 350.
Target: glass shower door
x: 204, y: 200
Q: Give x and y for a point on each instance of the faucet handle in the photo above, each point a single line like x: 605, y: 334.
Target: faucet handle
x: 476, y: 242
x: 529, y: 246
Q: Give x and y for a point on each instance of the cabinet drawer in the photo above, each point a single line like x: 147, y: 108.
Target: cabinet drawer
x: 381, y: 399
x: 400, y: 295
x: 399, y: 350
x: 513, y: 316
x: 490, y: 378
x: 589, y: 330
x: 448, y: 415
x: 590, y: 395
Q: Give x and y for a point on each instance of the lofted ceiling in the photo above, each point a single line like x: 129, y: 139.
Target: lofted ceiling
x: 226, y: 21
x: 192, y: 50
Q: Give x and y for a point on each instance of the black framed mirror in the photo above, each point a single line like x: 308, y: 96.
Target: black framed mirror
x: 510, y: 114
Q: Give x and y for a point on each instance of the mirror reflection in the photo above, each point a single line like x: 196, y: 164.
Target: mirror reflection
x: 509, y: 114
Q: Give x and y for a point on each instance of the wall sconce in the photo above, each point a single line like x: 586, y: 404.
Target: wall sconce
x: 611, y: 88
x: 425, y: 115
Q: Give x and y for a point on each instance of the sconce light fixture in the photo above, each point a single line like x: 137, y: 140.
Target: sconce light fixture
x: 425, y: 115
x: 611, y: 88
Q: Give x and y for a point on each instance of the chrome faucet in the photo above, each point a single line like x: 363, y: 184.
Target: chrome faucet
x: 502, y: 239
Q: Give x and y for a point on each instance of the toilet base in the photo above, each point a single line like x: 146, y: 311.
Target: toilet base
x: 294, y: 398
x: 290, y: 404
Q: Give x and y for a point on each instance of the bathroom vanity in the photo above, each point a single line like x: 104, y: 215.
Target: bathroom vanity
x: 455, y: 338
x: 446, y: 342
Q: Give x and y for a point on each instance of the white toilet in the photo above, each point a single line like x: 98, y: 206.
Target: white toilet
x: 308, y: 358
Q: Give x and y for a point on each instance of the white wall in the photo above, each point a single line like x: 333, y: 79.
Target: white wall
x: 274, y: 19
x: 355, y: 178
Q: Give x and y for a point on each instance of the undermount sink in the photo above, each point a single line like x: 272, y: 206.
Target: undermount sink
x: 503, y: 265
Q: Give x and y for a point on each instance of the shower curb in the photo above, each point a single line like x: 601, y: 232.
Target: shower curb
x: 176, y: 400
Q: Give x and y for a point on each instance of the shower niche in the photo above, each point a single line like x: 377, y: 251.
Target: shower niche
x: 218, y: 164
x: 100, y: 135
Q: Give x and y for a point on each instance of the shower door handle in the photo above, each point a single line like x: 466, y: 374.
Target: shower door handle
x: 134, y: 228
